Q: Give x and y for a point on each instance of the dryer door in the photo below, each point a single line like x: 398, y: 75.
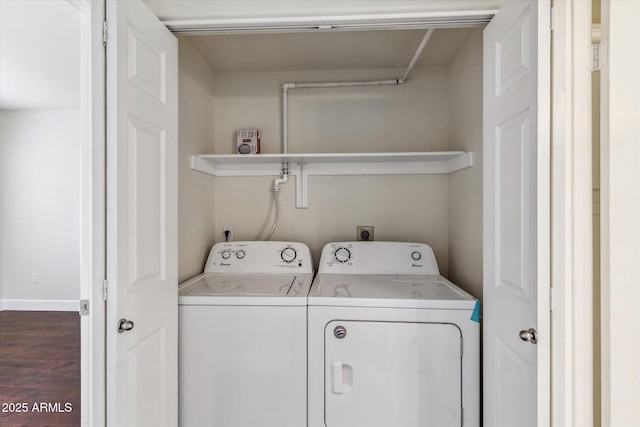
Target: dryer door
x: 392, y: 373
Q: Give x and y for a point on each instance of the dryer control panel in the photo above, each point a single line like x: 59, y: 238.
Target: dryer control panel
x: 378, y: 258
x: 259, y: 257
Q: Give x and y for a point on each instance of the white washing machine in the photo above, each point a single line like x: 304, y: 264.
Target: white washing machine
x: 391, y: 342
x: 243, y: 337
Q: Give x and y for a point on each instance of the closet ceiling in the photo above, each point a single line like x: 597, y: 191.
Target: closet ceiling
x: 328, y: 50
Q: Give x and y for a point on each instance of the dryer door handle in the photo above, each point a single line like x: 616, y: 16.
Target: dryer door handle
x: 341, y: 377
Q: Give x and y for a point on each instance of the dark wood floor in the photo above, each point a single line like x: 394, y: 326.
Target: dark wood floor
x: 39, y: 369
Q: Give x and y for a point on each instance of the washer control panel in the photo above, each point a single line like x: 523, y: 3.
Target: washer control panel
x: 259, y: 257
x: 378, y: 258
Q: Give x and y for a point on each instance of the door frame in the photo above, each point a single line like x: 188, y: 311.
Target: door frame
x: 571, y: 210
x: 571, y: 217
x: 564, y: 218
x: 93, y: 264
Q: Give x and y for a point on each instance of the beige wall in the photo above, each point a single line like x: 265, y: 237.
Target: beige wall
x: 402, y: 208
x: 412, y: 117
x: 465, y: 186
x: 196, y: 196
x: 439, y: 108
x: 620, y: 214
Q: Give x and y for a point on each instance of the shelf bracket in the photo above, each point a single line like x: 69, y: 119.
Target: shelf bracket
x: 302, y: 185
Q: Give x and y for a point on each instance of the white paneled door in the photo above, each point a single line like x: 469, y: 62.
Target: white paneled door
x: 142, y: 122
x: 516, y: 216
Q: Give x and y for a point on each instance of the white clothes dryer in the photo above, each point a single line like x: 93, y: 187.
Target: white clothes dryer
x: 391, y: 341
x: 243, y: 337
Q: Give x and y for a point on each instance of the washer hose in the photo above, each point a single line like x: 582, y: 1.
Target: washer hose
x: 276, y: 190
x: 275, y: 219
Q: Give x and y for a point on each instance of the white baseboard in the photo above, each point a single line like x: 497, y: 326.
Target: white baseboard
x: 39, y: 305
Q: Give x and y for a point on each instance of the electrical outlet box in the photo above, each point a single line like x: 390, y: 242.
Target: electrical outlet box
x: 227, y: 237
x: 364, y: 232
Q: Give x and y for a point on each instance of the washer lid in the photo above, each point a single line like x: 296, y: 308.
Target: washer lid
x: 243, y: 284
x: 388, y: 291
x: 246, y: 289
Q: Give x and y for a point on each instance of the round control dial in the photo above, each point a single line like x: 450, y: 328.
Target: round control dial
x: 240, y: 254
x: 288, y: 254
x: 342, y: 254
x: 226, y: 254
x: 416, y: 256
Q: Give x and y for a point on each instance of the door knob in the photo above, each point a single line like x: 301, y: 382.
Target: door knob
x: 531, y: 335
x: 125, y: 325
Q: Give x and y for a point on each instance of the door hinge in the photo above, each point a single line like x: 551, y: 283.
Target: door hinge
x: 461, y: 416
x: 550, y: 299
x: 551, y: 19
x: 104, y: 289
x: 84, y: 307
x: 598, y: 56
x: 461, y: 346
x: 105, y: 33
